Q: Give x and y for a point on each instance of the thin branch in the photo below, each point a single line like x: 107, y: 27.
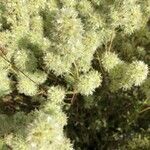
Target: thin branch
x: 76, y: 68
x: 73, y: 98
x: 111, y: 41
x: 146, y: 109
x: 99, y: 61
x: 3, y: 55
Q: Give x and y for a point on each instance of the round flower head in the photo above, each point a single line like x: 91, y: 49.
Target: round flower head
x: 25, y: 60
x: 109, y: 60
x: 56, y: 94
x: 88, y: 82
x: 126, y: 75
x: 57, y: 63
x: 90, y: 41
x: 136, y: 73
x: 85, y: 7
x: 26, y: 86
x: 84, y: 63
x: 42, y: 130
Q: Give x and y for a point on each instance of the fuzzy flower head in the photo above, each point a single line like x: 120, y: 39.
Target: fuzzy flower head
x: 46, y: 130
x: 88, y: 82
x: 28, y: 82
x: 127, y: 75
x: 93, y: 21
x: 67, y: 32
x: 127, y: 15
x: 136, y: 73
x: 84, y: 63
x: 42, y: 131
x: 85, y: 7
x: 56, y: 94
x: 56, y: 63
x: 25, y: 60
x: 18, y: 142
x: 90, y: 41
x: 110, y: 60
x: 26, y: 86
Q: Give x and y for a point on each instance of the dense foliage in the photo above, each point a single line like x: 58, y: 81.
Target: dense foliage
x: 74, y: 74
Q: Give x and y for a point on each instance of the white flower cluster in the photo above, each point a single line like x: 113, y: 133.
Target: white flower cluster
x: 66, y: 37
x: 66, y: 32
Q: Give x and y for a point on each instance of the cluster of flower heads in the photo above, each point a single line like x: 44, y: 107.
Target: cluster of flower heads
x: 58, y: 34
x: 124, y: 75
x: 125, y: 15
x: 41, y: 129
x: 47, y: 130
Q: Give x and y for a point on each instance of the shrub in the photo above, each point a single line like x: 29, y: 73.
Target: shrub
x: 76, y: 65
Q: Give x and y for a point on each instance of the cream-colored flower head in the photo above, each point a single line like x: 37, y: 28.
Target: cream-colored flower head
x: 87, y: 83
x: 109, y: 60
x: 136, y: 73
x: 56, y: 94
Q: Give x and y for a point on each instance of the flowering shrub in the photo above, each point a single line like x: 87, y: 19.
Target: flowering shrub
x: 74, y: 74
